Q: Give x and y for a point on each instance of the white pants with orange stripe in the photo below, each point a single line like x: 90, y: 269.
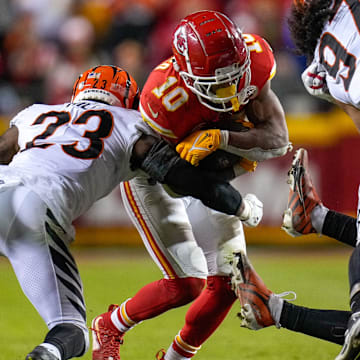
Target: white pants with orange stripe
x: 184, y: 237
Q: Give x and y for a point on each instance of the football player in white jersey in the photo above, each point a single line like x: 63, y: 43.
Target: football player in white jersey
x: 61, y: 159
x: 327, y: 32
x: 56, y: 162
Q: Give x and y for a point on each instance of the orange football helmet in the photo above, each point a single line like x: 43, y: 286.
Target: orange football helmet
x: 108, y: 84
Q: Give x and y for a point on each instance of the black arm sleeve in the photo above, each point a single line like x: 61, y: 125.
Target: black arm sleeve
x: 219, y: 195
x: 222, y: 163
x: 340, y: 227
x: 164, y: 165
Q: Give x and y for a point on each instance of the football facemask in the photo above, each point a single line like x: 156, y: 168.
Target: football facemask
x: 221, y: 92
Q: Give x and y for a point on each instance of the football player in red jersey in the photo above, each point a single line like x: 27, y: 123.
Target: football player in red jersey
x: 217, y: 77
x: 56, y: 161
x: 327, y: 33
x: 213, y: 77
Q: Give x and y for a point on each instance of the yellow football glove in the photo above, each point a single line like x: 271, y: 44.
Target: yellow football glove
x: 198, y: 145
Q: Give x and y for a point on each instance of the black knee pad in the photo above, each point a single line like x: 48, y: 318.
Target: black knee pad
x: 69, y: 339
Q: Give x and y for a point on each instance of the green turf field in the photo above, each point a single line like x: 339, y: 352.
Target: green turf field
x: 319, y: 276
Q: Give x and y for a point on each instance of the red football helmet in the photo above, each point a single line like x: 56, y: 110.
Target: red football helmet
x: 108, y: 84
x: 211, y: 57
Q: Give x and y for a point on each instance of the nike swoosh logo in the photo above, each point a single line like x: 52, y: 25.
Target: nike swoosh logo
x: 155, y: 115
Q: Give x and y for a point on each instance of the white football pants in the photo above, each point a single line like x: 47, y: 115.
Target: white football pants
x: 37, y: 248
x: 184, y: 237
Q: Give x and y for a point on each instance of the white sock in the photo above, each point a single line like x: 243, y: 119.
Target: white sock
x: 318, y: 217
x: 52, y: 349
x: 126, y: 324
x: 276, y: 304
x: 171, y: 354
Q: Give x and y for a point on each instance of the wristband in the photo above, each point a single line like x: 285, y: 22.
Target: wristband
x: 224, y: 139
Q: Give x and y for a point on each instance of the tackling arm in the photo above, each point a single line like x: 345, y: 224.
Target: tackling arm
x: 8, y: 145
x: 161, y: 162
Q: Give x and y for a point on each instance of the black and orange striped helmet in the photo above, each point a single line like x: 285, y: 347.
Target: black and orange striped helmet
x: 109, y: 84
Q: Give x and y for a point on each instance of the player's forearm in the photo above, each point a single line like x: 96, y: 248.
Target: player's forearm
x: 215, y: 193
x: 268, y: 137
x: 164, y: 165
x: 255, y: 144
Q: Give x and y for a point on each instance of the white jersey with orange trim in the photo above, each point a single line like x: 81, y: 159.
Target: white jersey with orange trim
x: 73, y: 154
x: 338, y: 50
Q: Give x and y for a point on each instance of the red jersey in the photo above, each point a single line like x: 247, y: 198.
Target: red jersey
x: 174, y: 111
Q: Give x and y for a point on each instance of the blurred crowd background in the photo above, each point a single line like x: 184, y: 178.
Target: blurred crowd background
x: 46, y: 44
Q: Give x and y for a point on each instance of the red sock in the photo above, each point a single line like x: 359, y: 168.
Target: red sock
x: 208, y: 310
x: 162, y: 295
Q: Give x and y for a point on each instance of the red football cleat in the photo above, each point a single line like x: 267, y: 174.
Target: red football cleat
x: 106, y: 339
